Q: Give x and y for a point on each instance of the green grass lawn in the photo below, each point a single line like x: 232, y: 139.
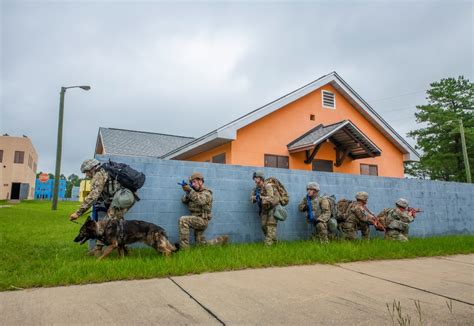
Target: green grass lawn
x: 37, y: 250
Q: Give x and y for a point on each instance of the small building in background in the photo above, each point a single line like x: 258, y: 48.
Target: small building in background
x: 18, y: 163
x: 75, y: 193
x: 84, y: 189
x: 44, y: 189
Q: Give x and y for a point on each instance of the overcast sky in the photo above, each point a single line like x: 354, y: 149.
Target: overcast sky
x: 187, y: 68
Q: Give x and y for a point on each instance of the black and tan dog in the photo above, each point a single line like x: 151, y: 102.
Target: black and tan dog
x: 116, y: 234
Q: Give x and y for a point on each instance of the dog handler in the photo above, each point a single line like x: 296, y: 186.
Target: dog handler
x: 117, y: 199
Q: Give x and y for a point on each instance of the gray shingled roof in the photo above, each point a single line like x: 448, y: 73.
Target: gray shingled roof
x: 313, y: 135
x: 139, y: 143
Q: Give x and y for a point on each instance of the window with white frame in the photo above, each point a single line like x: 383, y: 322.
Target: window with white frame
x: 328, y: 99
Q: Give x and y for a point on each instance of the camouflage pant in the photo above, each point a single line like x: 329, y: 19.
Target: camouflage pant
x: 365, y: 230
x: 269, y: 228
x: 117, y: 213
x: 199, y: 225
x: 349, y: 230
x: 321, y: 232
x: 395, y: 235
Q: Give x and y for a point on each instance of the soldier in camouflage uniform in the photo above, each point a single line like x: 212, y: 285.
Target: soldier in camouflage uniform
x: 198, y: 198
x: 109, y: 193
x: 321, y: 211
x: 357, y: 217
x: 396, y: 221
x: 268, y: 200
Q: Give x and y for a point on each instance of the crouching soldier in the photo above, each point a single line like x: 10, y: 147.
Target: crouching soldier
x: 264, y: 196
x: 357, y: 217
x: 198, y: 198
x: 105, y: 191
x: 396, y: 220
x: 318, y: 211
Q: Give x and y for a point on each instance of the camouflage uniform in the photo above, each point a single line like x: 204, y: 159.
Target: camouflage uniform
x: 269, y: 201
x: 357, y: 216
x: 110, y: 192
x: 364, y: 229
x: 396, y: 224
x: 322, y: 214
x: 200, y: 206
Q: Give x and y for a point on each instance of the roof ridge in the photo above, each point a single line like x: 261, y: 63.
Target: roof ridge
x: 147, y: 132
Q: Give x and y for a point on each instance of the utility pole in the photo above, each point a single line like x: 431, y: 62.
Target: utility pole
x: 57, y: 174
x: 464, y: 152
x: 59, y: 147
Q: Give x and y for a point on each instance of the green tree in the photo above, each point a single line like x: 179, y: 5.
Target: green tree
x: 449, y: 101
x: 72, y: 181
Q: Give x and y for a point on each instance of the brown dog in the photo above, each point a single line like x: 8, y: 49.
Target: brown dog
x: 115, y: 234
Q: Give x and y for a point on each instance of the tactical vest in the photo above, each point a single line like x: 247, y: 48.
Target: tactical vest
x: 204, y: 211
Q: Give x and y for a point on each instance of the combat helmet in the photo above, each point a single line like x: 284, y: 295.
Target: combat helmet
x: 312, y: 185
x: 89, y: 164
x: 196, y: 175
x: 362, y: 195
x: 402, y: 202
x: 258, y: 174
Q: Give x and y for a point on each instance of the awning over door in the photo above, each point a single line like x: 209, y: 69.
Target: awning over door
x: 349, y: 141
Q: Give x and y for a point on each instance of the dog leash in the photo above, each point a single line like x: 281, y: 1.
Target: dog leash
x: 74, y: 221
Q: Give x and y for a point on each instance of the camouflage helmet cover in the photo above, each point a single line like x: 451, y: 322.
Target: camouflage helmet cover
x: 258, y: 174
x: 312, y: 185
x: 402, y: 202
x: 362, y: 195
x: 89, y: 164
x: 196, y: 175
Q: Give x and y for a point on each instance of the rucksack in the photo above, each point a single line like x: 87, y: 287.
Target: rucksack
x: 342, y: 209
x: 332, y: 205
x: 279, y: 188
x: 125, y: 175
x: 383, y: 216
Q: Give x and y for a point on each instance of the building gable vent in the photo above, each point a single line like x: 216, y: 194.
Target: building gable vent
x: 329, y: 99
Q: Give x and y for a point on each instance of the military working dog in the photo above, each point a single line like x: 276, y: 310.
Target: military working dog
x: 116, y: 234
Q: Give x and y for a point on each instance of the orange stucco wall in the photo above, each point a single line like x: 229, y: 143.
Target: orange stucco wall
x: 272, y: 133
x: 207, y: 156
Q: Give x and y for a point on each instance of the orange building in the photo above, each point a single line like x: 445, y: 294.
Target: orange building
x: 322, y: 126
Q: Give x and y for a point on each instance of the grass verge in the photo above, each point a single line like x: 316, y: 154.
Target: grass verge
x: 37, y: 250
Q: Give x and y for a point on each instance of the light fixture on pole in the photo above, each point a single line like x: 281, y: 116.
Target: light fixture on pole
x: 57, y: 174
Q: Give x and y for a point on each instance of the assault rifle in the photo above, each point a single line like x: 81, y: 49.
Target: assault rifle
x: 413, y: 211
x: 259, y: 200
x: 183, y: 184
x: 310, y: 209
x: 375, y: 221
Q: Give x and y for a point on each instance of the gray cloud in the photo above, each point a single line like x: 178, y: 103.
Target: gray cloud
x: 188, y: 68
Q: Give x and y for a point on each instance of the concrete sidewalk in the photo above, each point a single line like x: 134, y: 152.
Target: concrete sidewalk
x: 353, y: 293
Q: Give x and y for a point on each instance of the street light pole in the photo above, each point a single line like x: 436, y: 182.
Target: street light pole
x: 57, y: 173
x: 464, y: 152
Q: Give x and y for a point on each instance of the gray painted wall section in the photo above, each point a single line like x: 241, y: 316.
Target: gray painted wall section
x: 448, y: 206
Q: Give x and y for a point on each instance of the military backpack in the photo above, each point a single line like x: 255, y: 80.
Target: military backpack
x: 279, y: 188
x: 343, y: 209
x: 279, y: 212
x: 125, y: 175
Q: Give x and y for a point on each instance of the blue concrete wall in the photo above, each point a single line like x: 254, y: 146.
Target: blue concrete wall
x: 448, y: 206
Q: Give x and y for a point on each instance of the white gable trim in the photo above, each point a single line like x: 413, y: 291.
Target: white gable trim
x: 228, y: 132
